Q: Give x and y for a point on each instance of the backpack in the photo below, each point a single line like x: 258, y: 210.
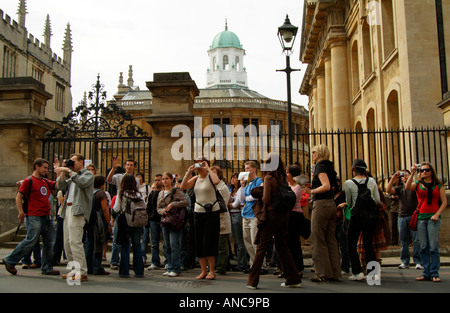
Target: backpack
x: 93, y: 216
x: 26, y: 198
x: 285, y: 198
x: 136, y: 212
x: 364, y: 206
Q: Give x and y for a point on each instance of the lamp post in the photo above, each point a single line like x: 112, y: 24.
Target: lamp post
x: 287, y: 33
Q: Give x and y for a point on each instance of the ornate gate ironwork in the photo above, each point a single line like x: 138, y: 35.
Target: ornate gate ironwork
x: 99, y: 132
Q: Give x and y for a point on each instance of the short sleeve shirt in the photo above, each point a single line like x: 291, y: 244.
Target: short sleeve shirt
x: 38, y: 204
x: 99, y: 196
x: 407, y: 201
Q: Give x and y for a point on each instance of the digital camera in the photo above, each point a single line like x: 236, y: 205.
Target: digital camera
x: 70, y: 163
x: 197, y: 165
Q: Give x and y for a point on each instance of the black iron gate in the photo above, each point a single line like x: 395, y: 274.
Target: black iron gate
x: 99, y: 131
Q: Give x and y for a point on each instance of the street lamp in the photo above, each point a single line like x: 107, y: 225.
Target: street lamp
x: 287, y: 33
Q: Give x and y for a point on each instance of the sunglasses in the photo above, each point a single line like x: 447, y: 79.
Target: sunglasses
x: 425, y: 170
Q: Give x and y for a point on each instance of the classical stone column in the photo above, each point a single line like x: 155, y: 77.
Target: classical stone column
x: 328, y: 94
x: 339, y: 81
x: 321, y: 105
x: 316, y: 114
x: 172, y: 105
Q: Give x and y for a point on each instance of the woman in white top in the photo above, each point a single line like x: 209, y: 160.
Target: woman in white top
x: 206, y: 214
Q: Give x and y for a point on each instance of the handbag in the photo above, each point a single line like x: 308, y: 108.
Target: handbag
x: 174, y: 220
x: 175, y: 217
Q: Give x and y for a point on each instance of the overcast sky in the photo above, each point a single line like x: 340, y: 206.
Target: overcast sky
x: 166, y: 36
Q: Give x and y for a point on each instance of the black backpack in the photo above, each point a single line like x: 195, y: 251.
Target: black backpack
x: 285, y: 198
x: 365, y: 206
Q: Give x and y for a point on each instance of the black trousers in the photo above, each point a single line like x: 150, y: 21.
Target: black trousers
x: 367, y: 227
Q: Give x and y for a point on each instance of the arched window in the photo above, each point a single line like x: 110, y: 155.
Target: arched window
x: 225, y: 62
x: 367, y: 49
x: 371, y: 140
x: 238, y: 64
x: 393, y: 110
x: 393, y: 122
x: 388, y: 27
x: 214, y: 64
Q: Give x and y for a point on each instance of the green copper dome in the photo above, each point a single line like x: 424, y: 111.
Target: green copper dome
x: 226, y: 39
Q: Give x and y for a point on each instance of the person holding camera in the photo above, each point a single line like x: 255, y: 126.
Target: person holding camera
x: 432, y: 200
x: 77, y: 182
x: 407, y: 205
x: 38, y: 221
x: 206, y: 214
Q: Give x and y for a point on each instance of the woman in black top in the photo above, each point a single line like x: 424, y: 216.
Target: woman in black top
x: 325, y: 252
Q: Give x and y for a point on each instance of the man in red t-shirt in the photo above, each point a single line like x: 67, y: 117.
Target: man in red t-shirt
x: 38, y: 221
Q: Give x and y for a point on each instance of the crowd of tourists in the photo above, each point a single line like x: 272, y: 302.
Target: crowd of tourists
x: 204, y: 221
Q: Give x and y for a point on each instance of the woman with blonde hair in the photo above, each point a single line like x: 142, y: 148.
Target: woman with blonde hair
x: 325, y: 251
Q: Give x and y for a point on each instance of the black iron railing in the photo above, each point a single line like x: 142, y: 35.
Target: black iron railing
x: 385, y: 151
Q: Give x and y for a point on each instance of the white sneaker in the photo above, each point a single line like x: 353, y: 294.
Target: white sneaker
x: 291, y: 286
x: 251, y: 287
x: 152, y: 267
x: 173, y: 274
x: 166, y: 273
x: 419, y: 267
x: 359, y: 276
x: 403, y: 266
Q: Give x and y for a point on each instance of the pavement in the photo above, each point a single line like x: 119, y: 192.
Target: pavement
x: 394, y: 280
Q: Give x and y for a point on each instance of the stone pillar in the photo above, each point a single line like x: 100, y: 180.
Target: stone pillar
x: 328, y: 94
x: 22, y: 124
x: 172, y: 105
x: 316, y: 107
x: 339, y: 81
x: 341, y: 103
x: 321, y: 108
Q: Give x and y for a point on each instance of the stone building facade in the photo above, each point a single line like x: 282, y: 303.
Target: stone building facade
x: 24, y: 55
x: 373, y: 64
x: 34, y: 92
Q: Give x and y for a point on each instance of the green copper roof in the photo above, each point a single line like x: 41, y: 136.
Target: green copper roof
x: 226, y: 39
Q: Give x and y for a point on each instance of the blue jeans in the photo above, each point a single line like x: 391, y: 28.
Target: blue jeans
x: 405, y: 233
x: 236, y: 229
x: 134, y: 234
x: 428, y: 232
x: 155, y: 237
x: 145, y: 241
x: 93, y: 258
x: 36, y: 226
x: 184, y: 246
x: 36, y: 255
x: 115, y: 247
x: 172, y: 249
